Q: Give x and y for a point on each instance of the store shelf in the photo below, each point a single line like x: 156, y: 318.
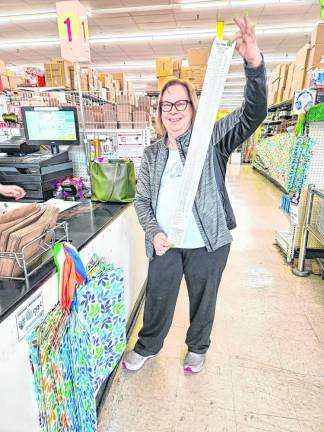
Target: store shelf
x: 258, y: 168
x: 287, y: 102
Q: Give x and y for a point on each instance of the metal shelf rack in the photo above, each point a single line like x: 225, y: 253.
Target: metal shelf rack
x: 313, y: 224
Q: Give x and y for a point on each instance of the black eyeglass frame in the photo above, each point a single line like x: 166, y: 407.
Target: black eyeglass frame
x: 174, y: 104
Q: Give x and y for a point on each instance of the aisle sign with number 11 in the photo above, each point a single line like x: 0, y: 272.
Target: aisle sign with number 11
x: 73, y: 31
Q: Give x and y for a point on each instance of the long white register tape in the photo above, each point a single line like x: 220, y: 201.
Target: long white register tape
x: 217, y: 70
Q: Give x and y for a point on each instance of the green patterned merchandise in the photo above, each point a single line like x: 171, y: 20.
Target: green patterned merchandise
x: 315, y: 114
x: 286, y: 159
x: 73, y: 353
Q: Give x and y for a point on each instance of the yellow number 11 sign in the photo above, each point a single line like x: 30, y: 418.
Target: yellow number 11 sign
x: 73, y: 31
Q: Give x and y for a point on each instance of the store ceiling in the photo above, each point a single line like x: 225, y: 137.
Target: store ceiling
x: 283, y: 26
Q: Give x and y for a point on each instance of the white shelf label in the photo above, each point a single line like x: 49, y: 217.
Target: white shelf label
x: 29, y: 316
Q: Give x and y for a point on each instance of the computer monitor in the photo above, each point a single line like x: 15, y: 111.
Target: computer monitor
x: 52, y: 126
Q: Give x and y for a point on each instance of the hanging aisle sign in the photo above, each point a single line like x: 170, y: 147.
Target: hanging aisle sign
x: 217, y: 70
x: 73, y: 29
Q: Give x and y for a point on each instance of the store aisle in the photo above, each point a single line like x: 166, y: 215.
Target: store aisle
x: 265, y: 367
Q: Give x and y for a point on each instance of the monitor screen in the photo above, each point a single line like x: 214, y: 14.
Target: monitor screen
x: 51, y: 125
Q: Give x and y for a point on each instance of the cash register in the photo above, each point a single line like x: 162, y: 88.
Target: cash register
x: 35, y: 161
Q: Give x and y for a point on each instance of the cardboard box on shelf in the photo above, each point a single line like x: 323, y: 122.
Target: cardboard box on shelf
x: 140, y: 116
x: 302, y: 58
x: 141, y: 125
x: 275, y: 73
x: 12, y: 82
x: 4, y: 83
x: 126, y: 125
x: 317, y: 36
x: 116, y: 84
x: 299, y: 80
x: 124, y: 109
x: 106, y: 79
x: 57, y: 74
x: 289, y: 81
x: 163, y: 66
x: 164, y: 80
x: 176, y: 67
x: 121, y: 78
x: 144, y: 103
x: 126, y: 99
x: 2, y: 67
x: 197, y: 56
x: 284, y: 74
x: 316, y: 57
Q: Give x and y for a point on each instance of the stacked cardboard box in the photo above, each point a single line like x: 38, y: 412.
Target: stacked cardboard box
x: 124, y: 110
x: 8, y: 79
x: 289, y: 82
x: 316, y: 53
x: 57, y: 73
x: 195, y: 73
x: 281, y: 83
x: 300, y: 69
x: 121, y: 78
x: 141, y: 119
x: 109, y: 116
x: 164, y: 70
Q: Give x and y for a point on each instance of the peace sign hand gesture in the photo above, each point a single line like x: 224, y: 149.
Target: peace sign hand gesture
x: 246, y: 43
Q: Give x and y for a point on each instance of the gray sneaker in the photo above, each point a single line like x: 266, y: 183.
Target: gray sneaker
x: 134, y: 361
x: 193, y: 363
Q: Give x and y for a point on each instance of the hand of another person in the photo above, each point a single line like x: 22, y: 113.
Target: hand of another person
x: 246, y: 43
x: 12, y: 191
x: 161, y: 244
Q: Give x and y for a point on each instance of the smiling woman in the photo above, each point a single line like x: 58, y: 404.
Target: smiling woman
x: 177, y: 107
x: 204, y: 251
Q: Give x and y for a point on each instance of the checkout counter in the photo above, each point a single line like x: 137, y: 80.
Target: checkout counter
x: 109, y: 230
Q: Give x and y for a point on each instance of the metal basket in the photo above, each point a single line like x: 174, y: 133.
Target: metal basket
x: 31, y: 265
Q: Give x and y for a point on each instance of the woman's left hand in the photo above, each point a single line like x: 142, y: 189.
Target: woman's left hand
x: 246, y: 43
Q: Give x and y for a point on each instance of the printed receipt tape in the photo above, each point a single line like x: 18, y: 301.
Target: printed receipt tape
x: 217, y: 70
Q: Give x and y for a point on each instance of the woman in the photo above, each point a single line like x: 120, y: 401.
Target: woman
x: 203, y: 255
x: 12, y: 191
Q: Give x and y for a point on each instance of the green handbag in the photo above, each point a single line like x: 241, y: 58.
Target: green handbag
x: 113, y: 181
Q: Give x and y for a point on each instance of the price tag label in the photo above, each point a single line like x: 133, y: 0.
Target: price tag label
x: 29, y: 316
x: 73, y: 31
x: 294, y: 213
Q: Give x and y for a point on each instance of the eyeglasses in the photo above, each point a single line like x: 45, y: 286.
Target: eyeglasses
x: 180, y: 105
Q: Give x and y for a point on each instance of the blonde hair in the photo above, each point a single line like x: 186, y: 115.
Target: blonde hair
x: 192, y: 97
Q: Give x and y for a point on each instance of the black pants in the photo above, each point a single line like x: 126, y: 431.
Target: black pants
x: 203, y: 272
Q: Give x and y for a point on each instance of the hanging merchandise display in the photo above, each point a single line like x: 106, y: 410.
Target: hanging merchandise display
x: 79, y: 342
x: 285, y: 158
x: 315, y: 114
x: 299, y: 163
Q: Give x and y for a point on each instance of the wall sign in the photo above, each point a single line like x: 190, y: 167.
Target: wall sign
x: 73, y: 29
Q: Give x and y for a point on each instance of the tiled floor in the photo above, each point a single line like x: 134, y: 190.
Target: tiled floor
x: 265, y: 367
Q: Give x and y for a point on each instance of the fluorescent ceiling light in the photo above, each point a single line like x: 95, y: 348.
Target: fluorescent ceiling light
x: 24, y: 17
x: 30, y: 43
x: 141, y: 78
x: 232, y: 3
x: 150, y: 37
x: 122, y: 66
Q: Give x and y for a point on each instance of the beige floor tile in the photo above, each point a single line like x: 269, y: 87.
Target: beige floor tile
x: 213, y: 385
x: 262, y: 391
x: 307, y: 395
x: 254, y: 422
x: 264, y: 368
x: 200, y: 416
